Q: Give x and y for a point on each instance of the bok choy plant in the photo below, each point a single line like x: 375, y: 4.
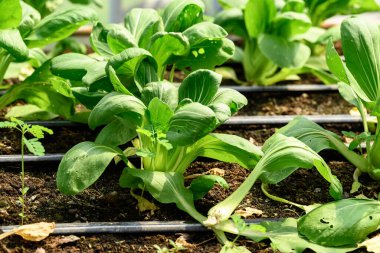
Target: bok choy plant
x: 320, y: 10
x: 360, y: 84
x: 22, y: 36
x: 23, y: 32
x: 273, y: 45
x: 170, y: 127
x: 141, y: 50
x: 46, y: 7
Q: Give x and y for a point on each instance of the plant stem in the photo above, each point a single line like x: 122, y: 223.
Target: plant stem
x: 264, y: 188
x: 172, y: 72
x: 5, y: 60
x: 280, y: 76
x: 22, y: 180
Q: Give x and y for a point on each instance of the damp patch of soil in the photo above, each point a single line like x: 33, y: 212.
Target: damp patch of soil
x: 106, y: 201
x: 295, y: 104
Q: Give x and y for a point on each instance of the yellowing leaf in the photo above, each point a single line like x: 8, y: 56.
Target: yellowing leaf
x: 32, y: 232
x: 372, y: 245
x: 143, y: 204
x: 249, y: 211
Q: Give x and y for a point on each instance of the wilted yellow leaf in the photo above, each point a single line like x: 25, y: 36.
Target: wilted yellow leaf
x: 32, y: 232
x: 248, y: 211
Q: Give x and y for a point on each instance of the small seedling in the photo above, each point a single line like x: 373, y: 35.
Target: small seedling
x: 33, y: 145
x: 174, y: 248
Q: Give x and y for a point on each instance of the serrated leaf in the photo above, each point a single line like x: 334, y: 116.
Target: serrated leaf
x: 34, y: 146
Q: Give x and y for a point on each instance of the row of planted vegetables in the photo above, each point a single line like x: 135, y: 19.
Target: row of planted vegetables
x: 126, y: 87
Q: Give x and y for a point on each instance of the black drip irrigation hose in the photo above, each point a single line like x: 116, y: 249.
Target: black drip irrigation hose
x: 275, y: 88
x: 285, y: 88
x: 31, y: 158
x: 238, y: 120
x: 131, y: 227
x: 284, y: 119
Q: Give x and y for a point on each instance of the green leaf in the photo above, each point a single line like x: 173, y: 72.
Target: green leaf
x: 143, y: 24
x: 230, y: 97
x: 110, y: 39
x: 166, y: 91
x: 200, y: 86
x: 208, y: 55
x: 11, y: 14
x: 182, y: 14
x: 127, y: 63
x: 328, y: 224
x: 159, y: 114
x: 322, y: 10
x: 208, y: 47
x: 285, y: 238
x: 335, y: 63
x: 117, y: 85
x: 201, y: 185
x: 190, y: 123
x: 30, y: 18
x: 348, y: 94
x: 165, y: 187
x: 165, y: 45
x: 59, y: 25
x: 82, y: 165
x: 88, y: 98
x: 29, y: 112
x: 282, y: 156
x: 289, y: 24
x: 227, y: 4
x: 258, y: 16
x: 118, y: 132
x: 12, y: 42
x: 34, y: 146
x: 42, y: 95
x: 228, y: 148
x: 361, y: 46
x: 232, y: 20
x: 294, y: 5
x: 320, y: 139
x: 292, y: 54
x: 115, y: 104
x: 39, y: 131
x: 79, y: 67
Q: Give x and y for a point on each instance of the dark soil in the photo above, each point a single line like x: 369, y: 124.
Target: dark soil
x: 295, y: 104
x: 65, y: 137
x: 106, y: 201
x: 62, y: 139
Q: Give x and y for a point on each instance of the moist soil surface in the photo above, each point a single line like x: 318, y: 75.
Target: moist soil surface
x: 295, y: 104
x: 66, y: 137
x: 107, y: 201
x: 276, y: 103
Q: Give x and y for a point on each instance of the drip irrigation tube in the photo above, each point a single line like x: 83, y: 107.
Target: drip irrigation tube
x: 285, y: 88
x: 31, y: 158
x: 276, y: 88
x: 131, y: 227
x: 284, y: 119
x: 239, y: 120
